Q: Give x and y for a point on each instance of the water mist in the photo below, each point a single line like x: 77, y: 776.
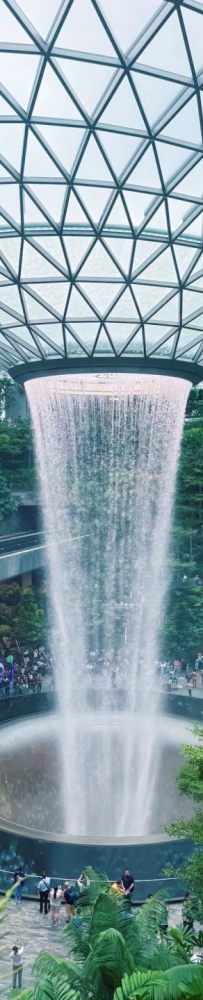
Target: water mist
x: 107, y: 451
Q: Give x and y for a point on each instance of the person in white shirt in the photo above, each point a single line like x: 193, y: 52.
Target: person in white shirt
x: 43, y: 888
x: 17, y: 957
x: 56, y: 895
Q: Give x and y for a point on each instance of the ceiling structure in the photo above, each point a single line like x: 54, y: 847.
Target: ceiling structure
x: 101, y: 183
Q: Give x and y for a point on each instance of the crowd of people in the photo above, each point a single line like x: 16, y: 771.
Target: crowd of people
x: 180, y: 674
x: 23, y: 673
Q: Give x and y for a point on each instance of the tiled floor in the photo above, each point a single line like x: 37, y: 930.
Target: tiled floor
x: 24, y: 924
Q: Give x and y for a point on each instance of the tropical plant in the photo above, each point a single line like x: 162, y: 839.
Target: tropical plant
x: 116, y: 954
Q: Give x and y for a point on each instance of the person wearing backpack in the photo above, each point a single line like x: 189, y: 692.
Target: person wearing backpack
x: 43, y: 889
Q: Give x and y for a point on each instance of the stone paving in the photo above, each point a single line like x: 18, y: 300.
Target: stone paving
x: 24, y: 924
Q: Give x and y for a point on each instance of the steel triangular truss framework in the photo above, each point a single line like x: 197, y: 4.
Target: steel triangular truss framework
x: 101, y: 179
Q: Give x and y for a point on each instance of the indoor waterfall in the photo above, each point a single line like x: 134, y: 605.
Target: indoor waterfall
x: 107, y: 451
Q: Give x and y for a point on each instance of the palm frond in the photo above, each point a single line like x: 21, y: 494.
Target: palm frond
x: 157, y: 985
x: 47, y: 964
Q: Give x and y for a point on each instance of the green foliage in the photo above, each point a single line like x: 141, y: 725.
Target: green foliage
x: 190, y: 783
x: 119, y: 954
x: 7, y: 502
x: 29, y: 621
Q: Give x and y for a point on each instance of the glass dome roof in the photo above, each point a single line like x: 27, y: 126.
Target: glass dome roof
x: 101, y: 180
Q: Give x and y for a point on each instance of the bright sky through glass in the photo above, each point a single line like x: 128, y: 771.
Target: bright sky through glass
x: 101, y: 179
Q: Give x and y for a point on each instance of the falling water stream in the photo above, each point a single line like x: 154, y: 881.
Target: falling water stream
x: 107, y: 451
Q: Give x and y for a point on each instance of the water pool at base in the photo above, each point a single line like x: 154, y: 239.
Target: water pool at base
x: 30, y: 763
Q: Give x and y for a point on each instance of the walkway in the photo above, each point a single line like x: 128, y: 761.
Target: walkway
x: 24, y: 924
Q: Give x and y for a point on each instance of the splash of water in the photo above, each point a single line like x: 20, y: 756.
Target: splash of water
x: 107, y: 450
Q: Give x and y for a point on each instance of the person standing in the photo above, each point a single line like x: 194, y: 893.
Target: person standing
x: 43, y: 888
x: 56, y: 896
x: 128, y: 882
x: 17, y: 957
x: 70, y: 895
x: 19, y: 883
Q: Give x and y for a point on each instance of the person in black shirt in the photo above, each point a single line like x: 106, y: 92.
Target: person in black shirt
x: 128, y: 882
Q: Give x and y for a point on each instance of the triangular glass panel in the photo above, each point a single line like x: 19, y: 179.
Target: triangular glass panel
x: 156, y: 95
x: 83, y: 30
x: 162, y: 269
x: 32, y: 213
x: 21, y: 349
x: 137, y: 205
x: 128, y: 22
x: 41, y: 15
x: 154, y: 334
x: 117, y: 216
x: 125, y: 308
x: 99, y: 264
x: 148, y: 296
x: 119, y: 148
x: 191, y: 302
x: 187, y: 339
x: 76, y: 248
x: 87, y: 333
x: 184, y: 257
x: 35, y: 265
x: 5, y: 174
x: 37, y: 161
x: 53, y: 332
x: 34, y: 309
x: 24, y: 335
x: 170, y: 312
x: 167, y: 50
x: 101, y: 294
x: 86, y: 79
x: 74, y: 214
x: 197, y: 323
x: 52, y: 246
x: 119, y: 333
x: 192, y: 183
x: 103, y: 345
x: 195, y: 283
x: 143, y: 251
x: 146, y: 173
x: 65, y: 142
x: 78, y: 308
x: 51, y: 197
x: 123, y: 109
x: 10, y: 297
x: 171, y: 158
x: 54, y: 293
x: 122, y: 251
x: 186, y: 124
x: 92, y: 166
x: 178, y: 210
x: 6, y: 108
x: 95, y: 200
x: 165, y: 350
x: 10, y: 248
x: 53, y: 100
x: 10, y: 201
x: 72, y: 345
x: 195, y: 229
x: 157, y: 222
x: 18, y: 73
x: 136, y: 345
x: 193, y: 24
x: 190, y: 355
x: 11, y: 142
x: 5, y: 318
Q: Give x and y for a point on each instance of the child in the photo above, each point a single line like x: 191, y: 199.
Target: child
x: 17, y: 956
